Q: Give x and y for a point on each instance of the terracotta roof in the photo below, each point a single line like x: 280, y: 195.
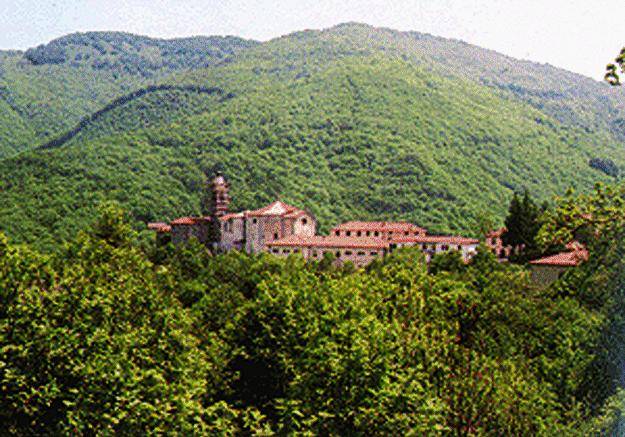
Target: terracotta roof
x: 159, y: 227
x: 563, y: 259
x: 277, y: 208
x: 232, y: 216
x: 333, y: 242
x: 189, y: 220
x: 436, y: 239
x: 378, y: 226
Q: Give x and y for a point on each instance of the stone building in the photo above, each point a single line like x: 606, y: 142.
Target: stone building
x: 282, y: 229
x: 246, y: 230
x: 549, y: 269
x: 494, y: 241
x: 434, y: 244
x: 384, y: 230
x: 274, y: 222
x: 359, y: 250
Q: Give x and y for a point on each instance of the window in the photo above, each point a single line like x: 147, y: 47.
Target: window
x: 444, y: 247
x: 304, y: 221
x: 286, y: 251
x: 314, y: 254
x: 459, y: 247
x: 361, y: 253
x: 373, y: 253
x: 254, y: 221
x: 338, y: 253
x: 359, y: 233
x: 368, y: 233
x: 337, y: 233
x: 295, y: 250
x: 348, y: 252
x: 275, y: 250
x: 275, y: 236
x: 406, y: 233
x: 348, y: 233
x: 376, y: 233
x: 424, y: 246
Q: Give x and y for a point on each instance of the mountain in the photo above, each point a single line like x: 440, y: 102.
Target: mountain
x: 349, y: 122
x: 46, y: 90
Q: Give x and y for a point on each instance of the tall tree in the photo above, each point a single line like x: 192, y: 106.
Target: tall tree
x: 522, y: 224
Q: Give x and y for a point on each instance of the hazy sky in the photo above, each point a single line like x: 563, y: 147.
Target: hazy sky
x: 579, y: 35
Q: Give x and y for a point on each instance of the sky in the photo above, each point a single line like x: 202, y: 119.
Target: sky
x: 579, y: 35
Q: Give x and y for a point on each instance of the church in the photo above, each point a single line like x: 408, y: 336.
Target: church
x: 249, y: 231
x: 283, y: 230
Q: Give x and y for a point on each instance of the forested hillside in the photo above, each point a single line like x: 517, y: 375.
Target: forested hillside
x: 51, y: 87
x: 106, y: 336
x: 351, y: 122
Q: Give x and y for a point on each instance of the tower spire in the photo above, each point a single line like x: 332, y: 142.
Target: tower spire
x: 220, y: 199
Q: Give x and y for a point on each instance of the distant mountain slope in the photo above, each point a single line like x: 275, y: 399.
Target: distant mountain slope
x: 133, y: 54
x: 149, y: 106
x: 53, y: 86
x: 329, y: 121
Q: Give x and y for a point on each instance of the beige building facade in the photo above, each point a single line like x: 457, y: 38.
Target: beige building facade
x: 435, y: 244
x: 358, y: 250
x: 248, y: 231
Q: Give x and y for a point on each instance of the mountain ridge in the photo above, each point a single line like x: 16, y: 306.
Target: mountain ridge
x: 350, y: 122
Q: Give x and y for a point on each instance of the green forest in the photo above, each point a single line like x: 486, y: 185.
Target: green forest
x: 353, y: 122
x: 108, y: 335
x: 104, y: 332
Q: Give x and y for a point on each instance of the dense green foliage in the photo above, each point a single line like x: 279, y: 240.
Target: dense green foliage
x: 47, y: 90
x: 522, y: 224
x: 364, y: 116
x: 102, y: 336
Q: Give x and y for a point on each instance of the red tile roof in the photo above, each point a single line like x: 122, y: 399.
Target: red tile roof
x: 378, y: 226
x: 564, y: 259
x: 189, y: 221
x: 232, y: 216
x: 436, y: 239
x: 159, y: 227
x: 331, y: 242
x: 277, y: 208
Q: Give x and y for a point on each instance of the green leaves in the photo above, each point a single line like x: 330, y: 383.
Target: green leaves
x: 98, y: 338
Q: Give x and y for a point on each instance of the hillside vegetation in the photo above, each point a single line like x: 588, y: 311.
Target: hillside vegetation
x: 51, y: 87
x: 352, y: 122
x: 104, y: 336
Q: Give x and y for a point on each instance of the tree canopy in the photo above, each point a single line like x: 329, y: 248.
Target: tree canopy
x: 107, y: 335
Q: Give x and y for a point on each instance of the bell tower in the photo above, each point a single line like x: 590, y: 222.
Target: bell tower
x: 219, y: 197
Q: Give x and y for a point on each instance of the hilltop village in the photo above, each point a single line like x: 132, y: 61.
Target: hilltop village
x: 283, y: 230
